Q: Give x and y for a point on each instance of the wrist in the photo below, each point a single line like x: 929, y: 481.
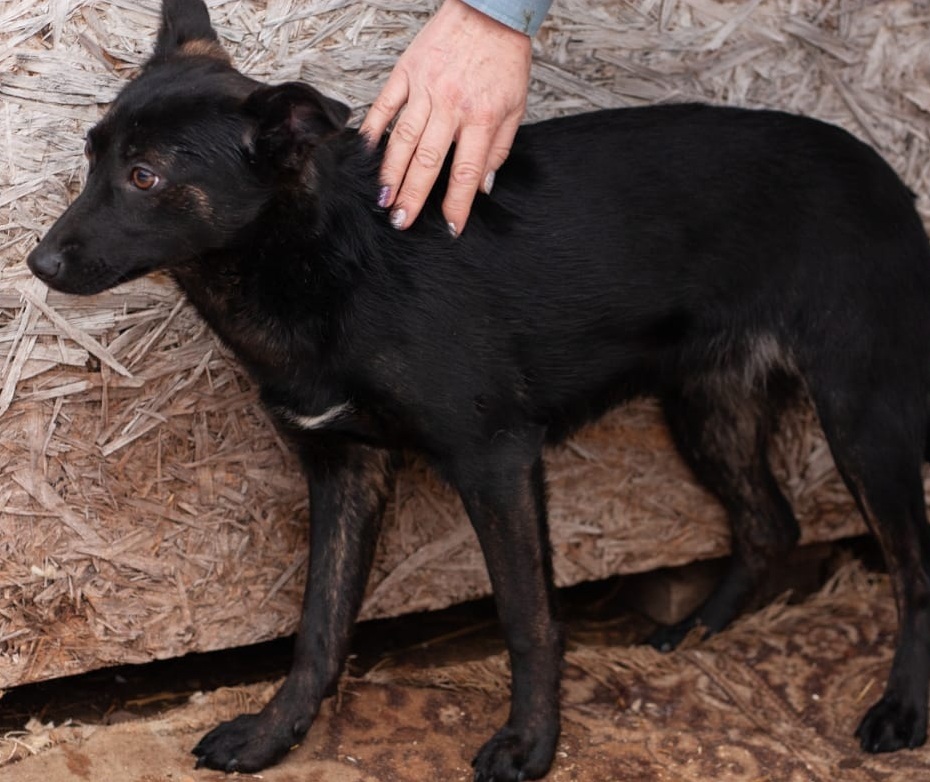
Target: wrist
x: 518, y: 21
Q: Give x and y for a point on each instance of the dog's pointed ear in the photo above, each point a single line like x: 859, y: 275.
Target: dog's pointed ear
x: 289, y: 119
x: 185, y: 26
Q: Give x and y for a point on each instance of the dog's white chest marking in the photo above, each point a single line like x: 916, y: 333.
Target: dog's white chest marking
x: 317, y: 421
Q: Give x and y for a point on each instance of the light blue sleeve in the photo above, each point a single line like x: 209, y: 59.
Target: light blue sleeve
x: 523, y: 15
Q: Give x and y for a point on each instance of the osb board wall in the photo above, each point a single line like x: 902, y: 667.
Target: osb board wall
x: 148, y: 509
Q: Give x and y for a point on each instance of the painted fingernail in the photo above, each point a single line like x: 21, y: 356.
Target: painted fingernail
x: 384, y: 196
x: 398, y: 218
x: 488, y: 183
x: 452, y: 231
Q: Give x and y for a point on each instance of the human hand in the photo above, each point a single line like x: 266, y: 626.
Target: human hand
x: 464, y: 78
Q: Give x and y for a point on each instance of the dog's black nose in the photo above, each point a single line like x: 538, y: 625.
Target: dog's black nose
x: 45, y: 264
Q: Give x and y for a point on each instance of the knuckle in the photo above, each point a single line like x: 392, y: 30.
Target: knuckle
x: 386, y: 105
x: 428, y: 157
x: 501, y: 150
x: 466, y: 173
x: 485, y: 118
x: 498, y: 155
x: 406, y: 132
x: 451, y: 95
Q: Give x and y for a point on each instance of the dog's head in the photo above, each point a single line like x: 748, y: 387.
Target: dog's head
x: 187, y: 156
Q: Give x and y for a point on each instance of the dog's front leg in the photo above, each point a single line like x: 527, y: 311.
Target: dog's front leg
x: 349, y: 485
x: 504, y: 494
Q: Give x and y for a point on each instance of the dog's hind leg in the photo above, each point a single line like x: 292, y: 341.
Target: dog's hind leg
x: 349, y: 486
x: 878, y: 443
x: 504, y: 493
x: 722, y: 431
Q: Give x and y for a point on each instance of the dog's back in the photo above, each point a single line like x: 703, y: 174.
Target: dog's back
x: 626, y: 251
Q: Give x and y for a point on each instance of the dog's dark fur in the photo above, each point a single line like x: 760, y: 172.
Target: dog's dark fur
x: 713, y: 258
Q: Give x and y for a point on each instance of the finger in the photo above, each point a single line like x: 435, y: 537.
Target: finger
x: 466, y: 175
x: 385, y: 107
x: 401, y: 146
x: 423, y: 170
x: 500, y: 150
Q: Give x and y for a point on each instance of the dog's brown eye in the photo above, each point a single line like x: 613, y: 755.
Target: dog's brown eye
x: 143, y: 179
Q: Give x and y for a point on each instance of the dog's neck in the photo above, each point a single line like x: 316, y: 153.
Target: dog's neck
x: 284, y: 286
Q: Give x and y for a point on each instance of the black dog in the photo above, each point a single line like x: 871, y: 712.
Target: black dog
x: 714, y: 258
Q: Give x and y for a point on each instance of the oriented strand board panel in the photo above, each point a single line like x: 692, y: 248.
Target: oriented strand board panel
x: 147, y: 507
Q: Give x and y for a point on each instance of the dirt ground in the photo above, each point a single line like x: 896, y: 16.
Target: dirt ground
x: 776, y: 697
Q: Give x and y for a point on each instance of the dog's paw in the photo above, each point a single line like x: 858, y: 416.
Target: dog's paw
x: 893, y: 723
x: 244, y: 744
x: 510, y: 757
x: 667, y: 638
